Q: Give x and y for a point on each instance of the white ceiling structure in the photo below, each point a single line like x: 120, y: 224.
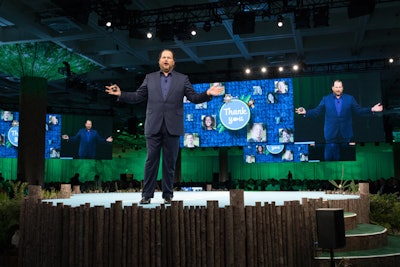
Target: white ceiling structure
x: 364, y: 41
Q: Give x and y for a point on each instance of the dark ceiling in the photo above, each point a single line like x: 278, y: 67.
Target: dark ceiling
x: 340, y: 36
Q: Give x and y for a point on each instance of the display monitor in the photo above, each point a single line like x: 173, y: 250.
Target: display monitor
x: 260, y: 114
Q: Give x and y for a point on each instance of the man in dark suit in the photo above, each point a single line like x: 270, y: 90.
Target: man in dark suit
x: 87, y: 138
x: 164, y: 91
x: 339, y: 109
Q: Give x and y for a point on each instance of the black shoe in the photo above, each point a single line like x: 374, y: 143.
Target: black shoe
x: 145, y: 201
x: 167, y: 201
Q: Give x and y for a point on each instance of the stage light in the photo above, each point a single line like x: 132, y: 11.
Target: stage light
x: 280, y: 69
x: 109, y: 25
x: 280, y: 21
x: 295, y: 67
x: 207, y: 26
x: 263, y: 69
x: 247, y: 71
x: 193, y: 30
x: 391, y: 60
x: 149, y: 35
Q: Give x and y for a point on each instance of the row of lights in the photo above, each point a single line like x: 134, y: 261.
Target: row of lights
x: 295, y: 67
x: 207, y: 27
x: 192, y: 28
x: 302, y: 17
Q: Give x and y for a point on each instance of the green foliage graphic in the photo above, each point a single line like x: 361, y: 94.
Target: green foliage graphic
x: 41, y: 59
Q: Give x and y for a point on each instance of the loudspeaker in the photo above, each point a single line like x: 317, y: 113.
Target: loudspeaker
x: 243, y: 22
x: 358, y: 8
x: 330, y: 228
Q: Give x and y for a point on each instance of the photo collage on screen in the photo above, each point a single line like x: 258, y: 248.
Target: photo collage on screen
x: 266, y: 134
x: 9, y: 130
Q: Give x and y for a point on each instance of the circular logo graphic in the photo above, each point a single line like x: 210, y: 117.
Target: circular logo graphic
x: 275, y: 149
x: 235, y: 114
x: 13, y: 135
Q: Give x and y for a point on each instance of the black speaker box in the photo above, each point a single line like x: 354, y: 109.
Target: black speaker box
x: 243, y: 22
x: 330, y: 228
x: 358, y: 8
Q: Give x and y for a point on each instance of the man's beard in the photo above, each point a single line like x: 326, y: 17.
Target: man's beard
x: 166, y: 68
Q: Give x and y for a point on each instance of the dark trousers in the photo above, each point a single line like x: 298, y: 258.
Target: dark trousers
x: 332, y: 152
x: 169, y: 145
x: 334, y: 146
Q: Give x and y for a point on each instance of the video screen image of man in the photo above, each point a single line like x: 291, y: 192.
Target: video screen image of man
x: 88, y: 140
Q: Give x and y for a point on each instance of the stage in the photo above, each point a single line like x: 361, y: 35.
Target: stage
x: 196, y: 198
x: 235, y: 230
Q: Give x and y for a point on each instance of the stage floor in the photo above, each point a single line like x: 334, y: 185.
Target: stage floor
x: 197, y: 198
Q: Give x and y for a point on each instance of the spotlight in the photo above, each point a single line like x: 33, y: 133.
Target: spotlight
x: 207, y: 26
x: 193, y: 30
x: 280, y: 69
x: 109, y: 25
x: 263, y: 69
x: 295, y: 67
x: 247, y: 71
x: 280, y: 21
x: 149, y: 35
x: 391, y: 60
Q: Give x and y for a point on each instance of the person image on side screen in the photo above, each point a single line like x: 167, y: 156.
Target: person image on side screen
x: 281, y: 87
x: 257, y: 133
x: 338, y: 126
x: 286, y: 135
x: 2, y: 139
x: 88, y: 139
x: 7, y: 115
x: 164, y: 91
x: 260, y: 149
x: 271, y: 99
x: 208, y: 123
x: 190, y: 141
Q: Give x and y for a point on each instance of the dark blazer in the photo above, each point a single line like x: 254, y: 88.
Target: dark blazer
x: 334, y: 123
x: 87, y: 143
x: 169, y: 110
